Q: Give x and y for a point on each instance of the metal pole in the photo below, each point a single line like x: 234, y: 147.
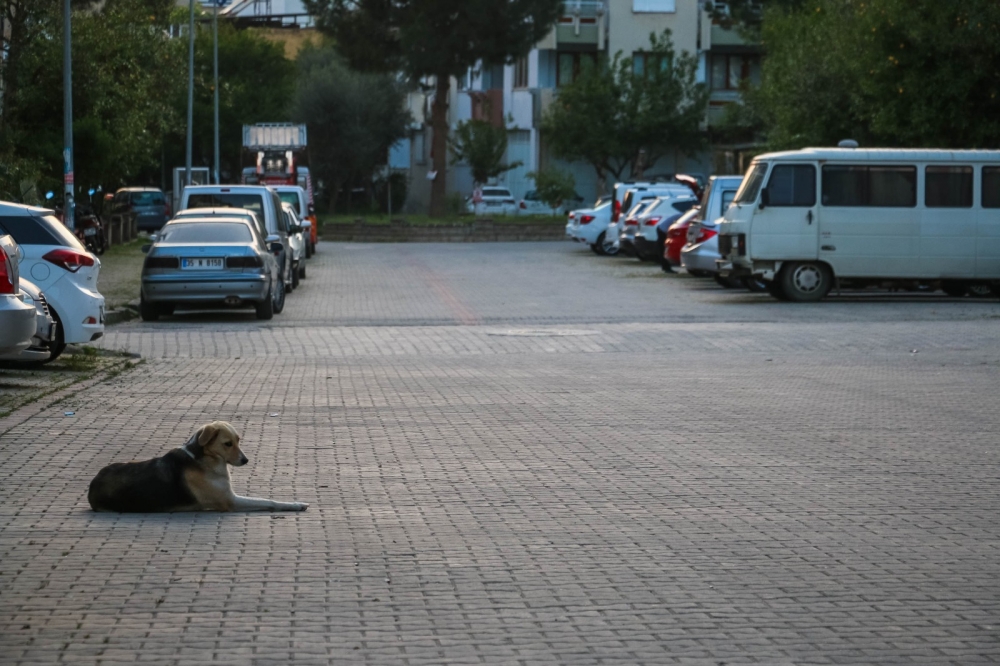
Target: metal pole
x: 215, y: 67
x: 190, y: 114
x: 69, y: 207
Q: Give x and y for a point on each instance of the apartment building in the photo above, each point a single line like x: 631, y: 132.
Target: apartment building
x: 516, y: 96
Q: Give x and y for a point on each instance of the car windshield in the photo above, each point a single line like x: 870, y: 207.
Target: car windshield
x: 206, y: 232
x: 254, y: 202
x: 291, y: 198
x: 750, y: 187
x: 147, y: 199
x: 684, y: 206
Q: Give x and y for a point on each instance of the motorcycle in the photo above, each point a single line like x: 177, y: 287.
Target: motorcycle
x: 88, y: 227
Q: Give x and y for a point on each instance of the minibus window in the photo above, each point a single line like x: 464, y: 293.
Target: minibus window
x: 948, y: 187
x: 877, y: 186
x: 792, y: 185
x: 750, y: 187
x: 727, y: 198
x: 991, y: 187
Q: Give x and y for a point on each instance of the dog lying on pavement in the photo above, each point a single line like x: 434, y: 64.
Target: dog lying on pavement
x: 194, y: 477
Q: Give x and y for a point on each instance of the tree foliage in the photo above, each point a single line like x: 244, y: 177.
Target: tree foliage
x: 914, y: 73
x: 483, y: 146
x: 613, y: 117
x: 353, y: 119
x: 434, y: 38
x: 553, y: 186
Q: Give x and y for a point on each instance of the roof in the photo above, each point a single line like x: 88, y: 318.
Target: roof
x: 886, y: 155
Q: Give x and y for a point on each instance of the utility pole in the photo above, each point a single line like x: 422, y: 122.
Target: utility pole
x: 69, y: 207
x: 190, y: 113
x: 215, y: 70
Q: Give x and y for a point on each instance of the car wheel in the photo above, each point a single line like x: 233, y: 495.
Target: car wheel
x: 609, y: 247
x: 755, y: 284
x: 265, y: 308
x: 295, y: 276
x: 954, y: 288
x: 302, y: 272
x: 59, y: 344
x: 596, y: 249
x: 980, y: 290
x: 308, y: 250
x: 805, y: 282
x: 148, y: 311
x: 278, y: 297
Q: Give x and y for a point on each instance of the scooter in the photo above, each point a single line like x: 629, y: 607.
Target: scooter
x: 88, y: 228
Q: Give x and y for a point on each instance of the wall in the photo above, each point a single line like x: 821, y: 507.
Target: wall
x: 628, y: 31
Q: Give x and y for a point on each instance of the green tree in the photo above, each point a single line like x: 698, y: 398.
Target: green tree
x: 615, y: 118
x: 483, y: 146
x: 434, y: 38
x: 353, y: 119
x: 553, y: 186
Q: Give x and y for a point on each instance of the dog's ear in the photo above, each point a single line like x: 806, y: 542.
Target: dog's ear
x: 206, y: 434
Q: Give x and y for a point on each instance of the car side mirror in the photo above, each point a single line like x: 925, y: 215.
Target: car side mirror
x: 145, y: 248
x: 273, y: 238
x: 765, y: 198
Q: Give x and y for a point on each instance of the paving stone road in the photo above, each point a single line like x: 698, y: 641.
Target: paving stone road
x: 525, y: 454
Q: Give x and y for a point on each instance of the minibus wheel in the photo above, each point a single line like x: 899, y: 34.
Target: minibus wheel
x: 954, y: 288
x: 805, y: 281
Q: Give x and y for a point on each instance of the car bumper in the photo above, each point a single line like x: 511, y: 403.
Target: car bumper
x: 700, y: 258
x: 183, y: 289
x: 18, y: 324
x: 589, y: 233
x: 646, y: 247
x: 80, y: 310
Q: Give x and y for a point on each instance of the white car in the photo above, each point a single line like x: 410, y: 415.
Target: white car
x: 651, y: 231
x: 590, y: 226
x: 494, y: 201
x: 298, y: 239
x: 17, y: 317
x: 53, y: 259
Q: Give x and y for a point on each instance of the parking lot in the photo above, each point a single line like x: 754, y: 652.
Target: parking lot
x: 523, y: 453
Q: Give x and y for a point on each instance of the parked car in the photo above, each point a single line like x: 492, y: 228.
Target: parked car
x: 532, y: 205
x: 40, y: 349
x: 650, y: 234
x: 211, y: 262
x: 665, y: 185
x: 629, y: 223
x: 298, y: 240
x: 55, y: 260
x: 590, y: 226
x: 237, y: 213
x: 147, y: 206
x: 700, y: 254
x: 17, y: 316
x: 260, y: 199
x: 297, y: 197
x: 494, y: 201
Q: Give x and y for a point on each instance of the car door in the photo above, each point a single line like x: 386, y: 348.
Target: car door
x: 785, y: 225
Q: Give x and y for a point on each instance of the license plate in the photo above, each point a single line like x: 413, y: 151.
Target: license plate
x: 201, y: 263
x: 90, y: 232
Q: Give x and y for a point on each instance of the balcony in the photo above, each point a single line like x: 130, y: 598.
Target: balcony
x: 584, y: 22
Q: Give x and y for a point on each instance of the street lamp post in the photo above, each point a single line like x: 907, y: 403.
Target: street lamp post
x: 190, y: 109
x: 69, y: 207
x: 215, y: 71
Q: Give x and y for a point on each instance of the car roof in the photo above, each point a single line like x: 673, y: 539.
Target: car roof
x: 209, y: 220
x: 230, y: 211
x: 11, y: 209
x: 228, y: 188
x: 288, y: 188
x: 138, y: 189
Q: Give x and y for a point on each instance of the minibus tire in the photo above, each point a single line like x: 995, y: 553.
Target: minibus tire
x: 805, y: 281
x: 954, y: 288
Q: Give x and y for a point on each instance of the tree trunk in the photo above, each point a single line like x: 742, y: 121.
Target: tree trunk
x: 439, y: 145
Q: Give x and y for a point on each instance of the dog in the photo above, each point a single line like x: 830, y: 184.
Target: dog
x: 193, y: 477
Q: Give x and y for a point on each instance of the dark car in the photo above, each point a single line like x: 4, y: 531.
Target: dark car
x: 146, y: 206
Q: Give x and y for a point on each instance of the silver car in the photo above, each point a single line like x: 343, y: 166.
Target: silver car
x: 299, y: 241
x: 17, y: 317
x: 211, y: 262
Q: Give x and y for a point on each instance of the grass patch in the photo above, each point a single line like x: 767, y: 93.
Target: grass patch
x: 121, y: 270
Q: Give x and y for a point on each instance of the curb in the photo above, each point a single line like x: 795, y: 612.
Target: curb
x: 120, y: 315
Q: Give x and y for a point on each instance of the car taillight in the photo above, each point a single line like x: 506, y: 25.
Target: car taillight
x: 524, y: 206
x: 6, y: 274
x: 631, y: 222
x: 572, y: 215
x: 161, y: 262
x: 653, y: 221
x: 71, y: 260
x: 586, y: 219
x: 616, y: 211
x: 244, y: 262
x: 705, y: 235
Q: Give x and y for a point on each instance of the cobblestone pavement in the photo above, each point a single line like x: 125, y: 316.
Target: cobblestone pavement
x: 522, y: 453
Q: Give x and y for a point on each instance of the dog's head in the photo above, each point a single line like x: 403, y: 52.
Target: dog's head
x: 219, y: 439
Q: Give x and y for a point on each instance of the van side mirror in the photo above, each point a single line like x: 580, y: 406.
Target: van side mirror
x: 765, y: 198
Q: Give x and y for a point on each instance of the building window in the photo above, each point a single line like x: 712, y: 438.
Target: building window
x: 792, y: 185
x: 521, y: 73
x: 991, y: 187
x: 876, y: 186
x: 643, y: 63
x: 569, y: 65
x: 948, y: 187
x: 729, y: 71
x: 654, y: 6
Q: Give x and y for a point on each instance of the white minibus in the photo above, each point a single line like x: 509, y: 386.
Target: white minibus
x: 810, y: 219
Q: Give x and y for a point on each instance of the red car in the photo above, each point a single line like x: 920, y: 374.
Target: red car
x: 677, y: 239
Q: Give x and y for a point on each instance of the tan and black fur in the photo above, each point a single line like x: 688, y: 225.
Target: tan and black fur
x: 194, y: 477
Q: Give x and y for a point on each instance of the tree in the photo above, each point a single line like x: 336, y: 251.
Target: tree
x: 483, y: 146
x: 434, y: 38
x: 615, y: 118
x: 353, y: 119
x: 553, y: 186
x: 884, y: 72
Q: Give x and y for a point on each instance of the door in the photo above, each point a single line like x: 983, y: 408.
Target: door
x: 785, y: 225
